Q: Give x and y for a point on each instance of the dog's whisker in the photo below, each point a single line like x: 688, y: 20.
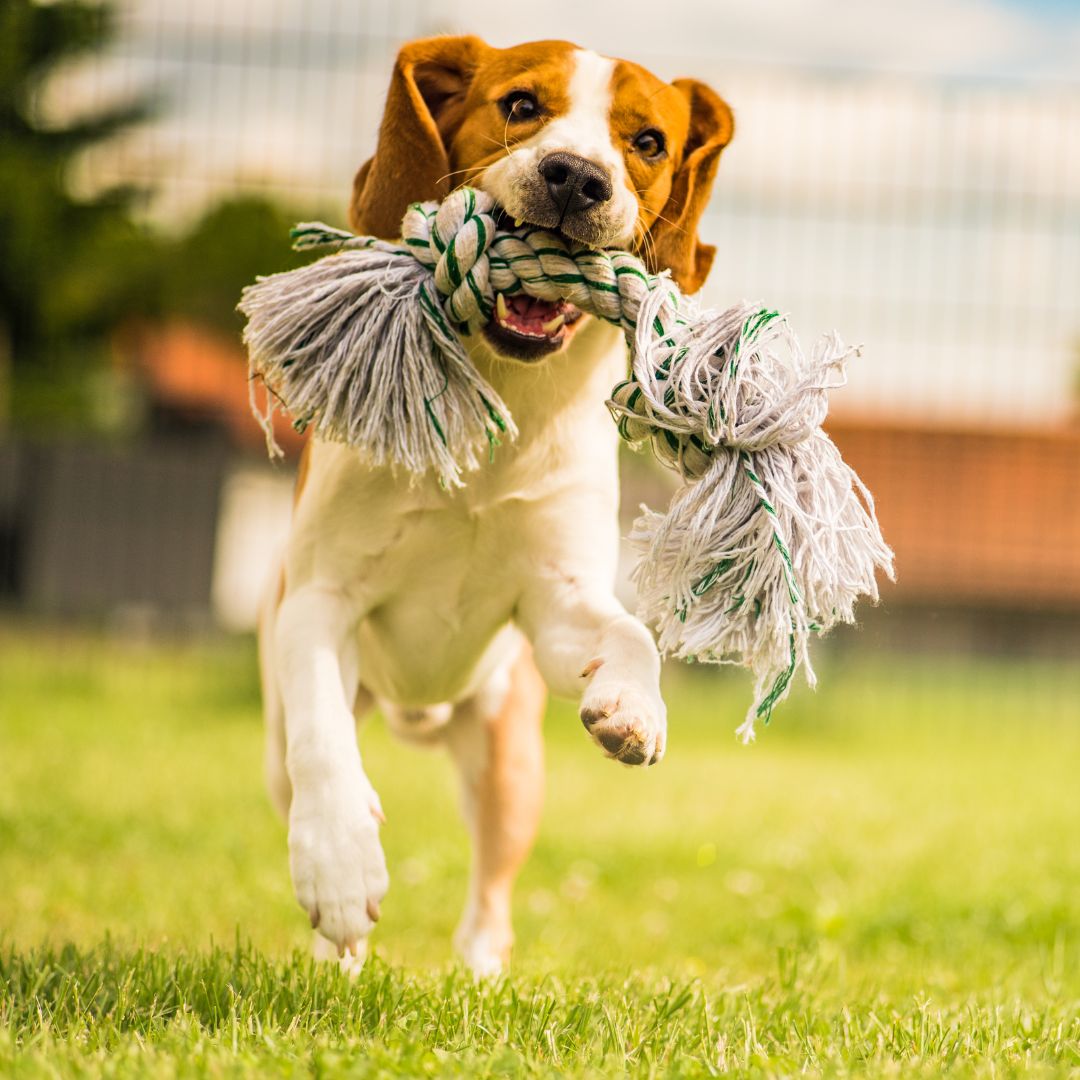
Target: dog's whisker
x: 458, y: 172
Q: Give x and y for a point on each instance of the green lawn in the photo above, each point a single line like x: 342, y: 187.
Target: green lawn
x: 887, y: 882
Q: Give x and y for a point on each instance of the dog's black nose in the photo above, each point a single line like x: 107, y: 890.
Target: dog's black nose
x: 574, y: 182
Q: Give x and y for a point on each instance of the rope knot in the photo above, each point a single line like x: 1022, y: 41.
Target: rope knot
x: 453, y: 238
x: 472, y: 260
x: 735, y: 381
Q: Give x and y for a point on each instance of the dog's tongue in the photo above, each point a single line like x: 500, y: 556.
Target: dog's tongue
x: 532, y: 317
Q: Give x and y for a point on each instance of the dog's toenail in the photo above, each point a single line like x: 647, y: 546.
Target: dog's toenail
x: 313, y: 915
x: 373, y: 909
x: 632, y: 755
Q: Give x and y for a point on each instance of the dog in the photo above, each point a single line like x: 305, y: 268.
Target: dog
x: 456, y: 612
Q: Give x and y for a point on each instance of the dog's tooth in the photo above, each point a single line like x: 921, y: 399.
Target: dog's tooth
x: 500, y: 307
x: 554, y: 324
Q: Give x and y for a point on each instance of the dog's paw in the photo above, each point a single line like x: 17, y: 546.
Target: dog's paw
x: 626, y: 721
x: 350, y: 962
x: 337, y: 863
x: 485, y: 958
x: 484, y: 946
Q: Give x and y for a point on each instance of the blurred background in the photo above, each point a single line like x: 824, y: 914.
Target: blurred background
x: 908, y: 174
x: 911, y: 178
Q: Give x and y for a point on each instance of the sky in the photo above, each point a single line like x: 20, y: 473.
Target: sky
x: 943, y: 38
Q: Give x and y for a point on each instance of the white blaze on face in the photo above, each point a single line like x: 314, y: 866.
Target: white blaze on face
x: 585, y: 129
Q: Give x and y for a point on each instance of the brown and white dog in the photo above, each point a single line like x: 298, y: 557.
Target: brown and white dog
x: 455, y: 612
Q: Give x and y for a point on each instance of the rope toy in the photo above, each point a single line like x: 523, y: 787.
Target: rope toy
x: 772, y: 537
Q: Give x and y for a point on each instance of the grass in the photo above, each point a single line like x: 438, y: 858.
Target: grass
x: 888, y: 882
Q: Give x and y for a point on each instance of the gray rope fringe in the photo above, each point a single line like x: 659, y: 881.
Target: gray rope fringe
x: 773, y: 537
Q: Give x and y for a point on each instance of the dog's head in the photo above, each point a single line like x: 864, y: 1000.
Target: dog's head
x: 597, y: 149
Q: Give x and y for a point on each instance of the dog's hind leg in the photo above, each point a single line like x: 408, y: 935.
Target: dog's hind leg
x: 496, y: 740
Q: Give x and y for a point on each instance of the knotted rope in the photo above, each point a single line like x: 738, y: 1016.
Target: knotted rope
x: 472, y: 260
x: 773, y: 537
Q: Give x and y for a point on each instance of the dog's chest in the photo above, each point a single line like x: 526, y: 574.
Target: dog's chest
x: 436, y: 575
x: 448, y: 583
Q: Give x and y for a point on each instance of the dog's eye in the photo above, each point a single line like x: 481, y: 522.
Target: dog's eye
x: 520, y: 105
x: 650, y: 143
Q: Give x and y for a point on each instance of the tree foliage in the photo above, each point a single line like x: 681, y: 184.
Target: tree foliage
x: 74, y: 268
x: 69, y: 267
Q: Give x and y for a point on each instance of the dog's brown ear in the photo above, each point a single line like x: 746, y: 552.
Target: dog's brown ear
x: 424, y: 107
x: 674, y: 237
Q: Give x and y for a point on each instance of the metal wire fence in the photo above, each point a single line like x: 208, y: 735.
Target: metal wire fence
x: 934, y: 220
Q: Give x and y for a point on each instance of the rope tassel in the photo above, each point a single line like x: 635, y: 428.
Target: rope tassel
x: 772, y: 538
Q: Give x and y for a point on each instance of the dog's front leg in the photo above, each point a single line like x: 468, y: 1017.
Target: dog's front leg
x: 337, y: 864
x: 587, y: 644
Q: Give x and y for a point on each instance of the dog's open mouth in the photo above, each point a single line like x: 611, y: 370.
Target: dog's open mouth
x: 527, y: 328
